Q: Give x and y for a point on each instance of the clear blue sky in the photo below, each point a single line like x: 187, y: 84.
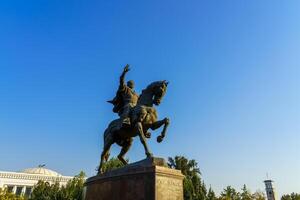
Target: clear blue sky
x: 233, y: 98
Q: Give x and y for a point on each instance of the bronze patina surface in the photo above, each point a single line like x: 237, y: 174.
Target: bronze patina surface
x: 137, y: 115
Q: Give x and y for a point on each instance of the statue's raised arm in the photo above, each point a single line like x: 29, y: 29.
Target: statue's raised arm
x: 126, y: 98
x: 122, y: 77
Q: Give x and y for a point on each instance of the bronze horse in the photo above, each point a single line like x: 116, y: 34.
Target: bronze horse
x: 143, y: 117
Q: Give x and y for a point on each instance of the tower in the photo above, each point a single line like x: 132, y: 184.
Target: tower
x: 269, y: 189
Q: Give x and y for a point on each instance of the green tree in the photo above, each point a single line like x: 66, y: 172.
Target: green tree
x: 211, y: 194
x: 112, y: 163
x: 258, y: 195
x: 292, y: 196
x: 229, y: 193
x: 74, y: 187
x: 245, y: 194
x: 5, y: 195
x: 45, y: 191
x: 72, y: 191
x: 193, y: 187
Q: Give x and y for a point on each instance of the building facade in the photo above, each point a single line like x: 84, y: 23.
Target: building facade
x: 21, y: 183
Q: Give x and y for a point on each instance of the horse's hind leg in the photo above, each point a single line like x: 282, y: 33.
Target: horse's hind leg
x: 104, y: 155
x: 124, y: 150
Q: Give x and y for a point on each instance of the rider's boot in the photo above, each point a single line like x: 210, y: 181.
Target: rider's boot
x: 126, y: 122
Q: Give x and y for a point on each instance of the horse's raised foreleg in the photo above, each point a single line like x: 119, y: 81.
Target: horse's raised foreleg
x: 139, y: 130
x: 158, y: 124
x: 125, y: 148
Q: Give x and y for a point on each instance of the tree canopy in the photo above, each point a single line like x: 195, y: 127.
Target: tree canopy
x: 193, y: 187
x: 5, y: 195
x: 112, y: 163
x: 73, y: 190
x: 292, y: 196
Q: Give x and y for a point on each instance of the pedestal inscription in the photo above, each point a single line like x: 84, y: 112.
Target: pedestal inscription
x: 168, y: 188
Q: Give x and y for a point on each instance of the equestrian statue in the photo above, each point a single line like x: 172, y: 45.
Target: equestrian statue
x: 137, y: 115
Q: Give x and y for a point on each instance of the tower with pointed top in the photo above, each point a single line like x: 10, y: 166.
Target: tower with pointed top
x: 270, y: 189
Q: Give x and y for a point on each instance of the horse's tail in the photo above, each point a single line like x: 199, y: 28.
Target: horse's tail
x: 113, y: 126
x: 108, y: 137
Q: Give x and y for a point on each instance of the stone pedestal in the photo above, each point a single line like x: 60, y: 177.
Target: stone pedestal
x: 149, y: 179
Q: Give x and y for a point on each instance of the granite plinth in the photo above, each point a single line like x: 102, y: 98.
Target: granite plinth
x: 149, y: 179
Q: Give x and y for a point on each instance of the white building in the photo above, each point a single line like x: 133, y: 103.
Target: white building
x: 23, y: 182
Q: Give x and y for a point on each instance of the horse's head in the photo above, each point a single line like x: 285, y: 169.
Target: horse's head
x: 159, y: 90
x: 153, y: 94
